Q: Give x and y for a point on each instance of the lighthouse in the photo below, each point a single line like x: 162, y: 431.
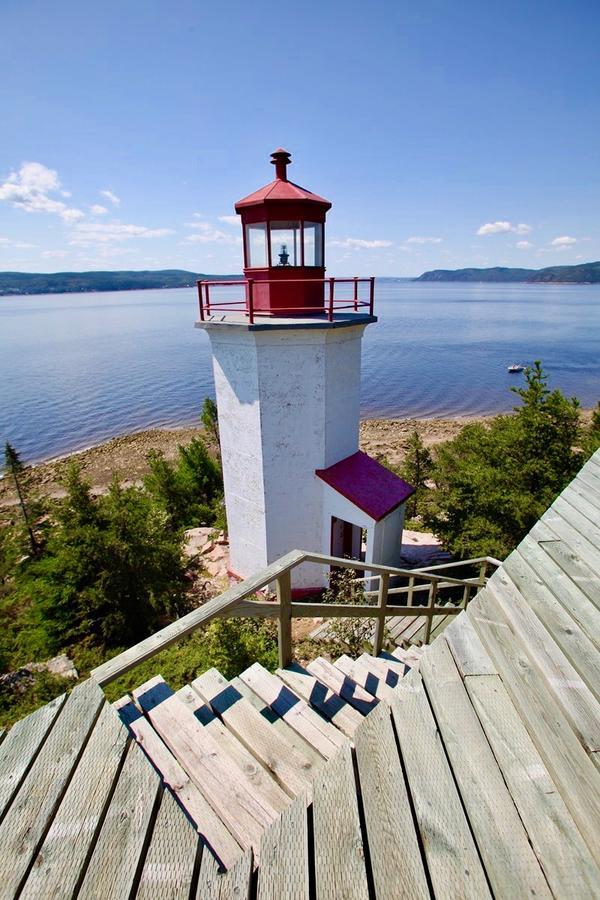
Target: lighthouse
x: 286, y: 347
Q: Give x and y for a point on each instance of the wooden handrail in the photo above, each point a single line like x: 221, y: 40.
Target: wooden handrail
x: 236, y: 602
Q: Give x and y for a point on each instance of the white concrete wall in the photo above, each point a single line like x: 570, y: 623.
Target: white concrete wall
x: 288, y: 404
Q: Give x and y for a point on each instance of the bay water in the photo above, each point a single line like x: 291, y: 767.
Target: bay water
x: 76, y: 369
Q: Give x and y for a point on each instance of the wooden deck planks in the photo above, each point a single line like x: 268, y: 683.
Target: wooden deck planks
x: 564, y: 856
x: 336, y: 681
x: 33, y: 808
x: 20, y: 746
x: 394, y: 850
x: 234, y: 884
x: 323, y: 736
x: 453, y: 861
x: 565, y: 758
x: 284, y: 857
x: 371, y: 681
x: 470, y: 656
x: 121, y: 844
x: 511, y: 866
x: 211, y: 829
x: 338, y: 847
x: 292, y: 771
x: 169, y: 865
x: 321, y: 698
x: 583, y: 542
x: 62, y: 858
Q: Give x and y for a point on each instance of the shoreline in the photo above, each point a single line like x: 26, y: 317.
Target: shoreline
x: 125, y: 455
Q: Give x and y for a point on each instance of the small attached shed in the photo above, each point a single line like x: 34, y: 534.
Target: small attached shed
x: 360, y: 495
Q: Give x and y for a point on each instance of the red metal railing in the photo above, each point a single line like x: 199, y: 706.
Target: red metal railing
x: 332, y: 305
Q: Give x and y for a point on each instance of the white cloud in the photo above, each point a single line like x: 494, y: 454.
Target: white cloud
x: 54, y: 254
x: 360, y: 244
x: 564, y: 241
x: 97, y: 210
x: 523, y: 245
x: 230, y: 220
x: 116, y: 201
x: 208, y: 234
x: 503, y: 228
x: 89, y: 233
x: 29, y: 189
x: 416, y: 239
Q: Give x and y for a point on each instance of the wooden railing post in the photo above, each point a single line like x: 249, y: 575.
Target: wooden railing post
x: 432, y: 597
x: 382, y: 597
x: 284, y: 598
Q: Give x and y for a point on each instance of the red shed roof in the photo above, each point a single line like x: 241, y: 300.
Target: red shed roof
x: 367, y: 484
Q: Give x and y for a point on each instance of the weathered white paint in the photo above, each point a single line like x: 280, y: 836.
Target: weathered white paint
x: 288, y: 400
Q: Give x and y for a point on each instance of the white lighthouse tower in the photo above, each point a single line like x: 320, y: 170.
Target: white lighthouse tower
x: 286, y: 359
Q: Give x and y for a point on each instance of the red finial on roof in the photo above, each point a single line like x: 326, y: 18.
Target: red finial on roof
x: 280, y: 159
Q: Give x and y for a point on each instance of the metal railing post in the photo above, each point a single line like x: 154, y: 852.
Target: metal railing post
x: 200, y: 304
x: 380, y: 623
x: 371, y: 295
x: 207, y: 290
x: 284, y: 598
x: 355, y: 294
x: 331, y: 290
x: 251, y: 300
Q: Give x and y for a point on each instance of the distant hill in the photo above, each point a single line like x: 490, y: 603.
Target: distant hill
x: 586, y: 273
x: 78, y: 282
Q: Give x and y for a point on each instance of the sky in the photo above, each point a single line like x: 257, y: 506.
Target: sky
x: 445, y: 134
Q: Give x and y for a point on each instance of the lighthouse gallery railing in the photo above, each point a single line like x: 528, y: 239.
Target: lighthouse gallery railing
x: 208, y: 307
x: 429, y: 584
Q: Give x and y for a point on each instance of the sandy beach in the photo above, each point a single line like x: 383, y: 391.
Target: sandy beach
x: 125, y: 456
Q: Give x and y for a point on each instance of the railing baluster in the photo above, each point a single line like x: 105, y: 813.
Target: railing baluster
x: 371, y: 296
x: 430, y: 605
x: 331, y: 291
x: 355, y: 293
x: 207, y: 289
x: 200, y: 304
x: 284, y: 597
x: 251, y: 300
x: 411, y: 588
x: 380, y: 623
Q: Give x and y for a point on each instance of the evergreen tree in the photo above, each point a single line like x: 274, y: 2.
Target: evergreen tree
x: 416, y: 469
x: 15, y: 467
x: 189, y: 491
x: 210, y: 419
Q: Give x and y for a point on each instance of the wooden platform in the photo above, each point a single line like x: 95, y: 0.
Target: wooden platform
x: 469, y: 770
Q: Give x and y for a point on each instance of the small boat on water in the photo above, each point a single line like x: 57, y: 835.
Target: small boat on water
x: 516, y: 368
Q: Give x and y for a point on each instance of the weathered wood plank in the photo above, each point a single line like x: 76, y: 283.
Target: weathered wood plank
x: 371, y: 681
x: 275, y: 721
x: 510, y: 864
x: 20, y: 747
x: 391, y: 670
x: 581, y: 652
x: 581, y: 501
x: 565, y: 758
x: 564, y: 856
x: 169, y: 865
x: 346, y: 688
x: 30, y: 814
x: 576, y: 700
x: 393, y: 845
x: 263, y: 783
x: 465, y: 644
x: 321, y: 698
x: 211, y: 829
x: 63, y: 855
x: 323, y: 736
x: 578, y: 534
x: 338, y: 846
x: 452, y: 859
x: 224, y: 785
x: 292, y: 771
x: 184, y: 626
x: 113, y: 868
x: 283, y: 869
x: 232, y: 885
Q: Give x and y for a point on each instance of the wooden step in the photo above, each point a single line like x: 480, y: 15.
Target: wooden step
x: 321, y: 698
x: 400, y: 665
x: 255, y: 772
x: 207, y: 822
x: 390, y: 673
x: 323, y: 736
x: 372, y: 682
x: 224, y: 785
x: 291, y: 770
x: 342, y: 685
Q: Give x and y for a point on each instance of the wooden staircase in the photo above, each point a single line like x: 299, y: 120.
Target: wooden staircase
x: 237, y: 753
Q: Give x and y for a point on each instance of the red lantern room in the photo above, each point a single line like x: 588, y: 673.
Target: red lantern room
x: 284, y: 244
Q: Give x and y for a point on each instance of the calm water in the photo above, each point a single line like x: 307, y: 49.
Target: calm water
x: 77, y: 369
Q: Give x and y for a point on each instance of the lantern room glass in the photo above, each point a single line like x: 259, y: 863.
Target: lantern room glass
x: 256, y: 245
x: 313, y: 244
x: 285, y: 244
